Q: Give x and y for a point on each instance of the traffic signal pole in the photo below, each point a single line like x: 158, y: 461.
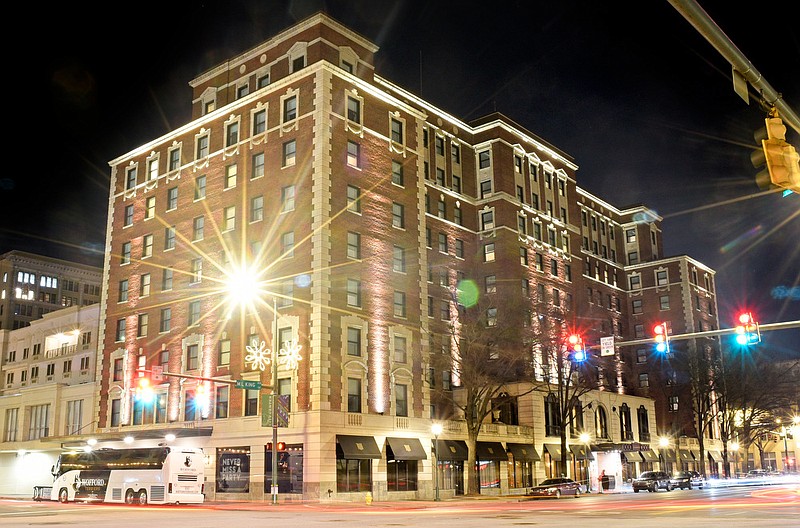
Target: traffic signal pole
x: 709, y: 333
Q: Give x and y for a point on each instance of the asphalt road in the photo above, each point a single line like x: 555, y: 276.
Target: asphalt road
x: 773, y: 506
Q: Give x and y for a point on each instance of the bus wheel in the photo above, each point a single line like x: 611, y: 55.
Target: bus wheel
x: 142, y: 497
x: 63, y: 495
x: 129, y: 495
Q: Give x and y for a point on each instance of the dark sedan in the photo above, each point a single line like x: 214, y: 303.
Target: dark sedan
x: 687, y: 480
x: 556, y: 487
x: 652, y: 481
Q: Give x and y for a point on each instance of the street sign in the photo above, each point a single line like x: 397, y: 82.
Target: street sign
x: 157, y: 373
x: 283, y: 410
x: 248, y: 384
x: 266, y: 410
x: 607, y: 346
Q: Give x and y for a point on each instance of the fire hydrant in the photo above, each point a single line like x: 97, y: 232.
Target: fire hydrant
x: 369, y: 498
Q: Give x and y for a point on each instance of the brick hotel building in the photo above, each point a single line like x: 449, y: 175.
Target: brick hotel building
x: 363, y: 206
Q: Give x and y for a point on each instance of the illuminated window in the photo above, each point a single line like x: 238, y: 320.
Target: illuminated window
x: 673, y: 404
x: 224, y: 353
x: 490, y: 284
x: 147, y: 246
x: 287, y: 198
x: 644, y: 380
x: 523, y: 256
x: 121, y: 323
x: 142, y: 326
x: 198, y: 227
x: 353, y: 154
x: 488, y: 252
x: 353, y: 293
x: 400, y: 352
x: 229, y: 219
x: 230, y: 176
x: 196, y: 270
x: 199, y: 187
x: 289, y: 153
x: 144, y: 285
x: 258, y: 166
x: 491, y: 317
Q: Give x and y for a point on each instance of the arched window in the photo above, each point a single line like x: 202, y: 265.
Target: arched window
x: 600, y: 423
x: 552, y: 422
x: 625, y: 429
x: 644, y: 424
x: 577, y: 418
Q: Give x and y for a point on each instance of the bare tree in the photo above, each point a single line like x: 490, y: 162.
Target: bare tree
x: 560, y: 373
x: 486, y: 347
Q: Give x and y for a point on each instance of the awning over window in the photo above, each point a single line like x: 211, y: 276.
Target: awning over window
x: 649, y: 455
x: 452, y: 450
x: 491, y: 451
x: 685, y: 456
x: 695, y: 454
x: 356, y: 447
x: 716, y: 456
x: 523, y: 452
x: 405, y: 449
x: 669, y: 454
x: 632, y: 456
x: 554, y: 450
x: 581, y: 452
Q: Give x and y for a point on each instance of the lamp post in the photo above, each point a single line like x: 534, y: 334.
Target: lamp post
x: 436, y: 429
x: 584, y: 438
x: 735, y: 449
x: 275, y: 348
x: 663, y: 444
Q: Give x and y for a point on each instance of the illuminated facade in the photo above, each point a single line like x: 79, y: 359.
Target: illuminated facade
x: 359, y: 207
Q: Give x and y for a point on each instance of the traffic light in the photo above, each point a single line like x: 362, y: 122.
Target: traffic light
x: 661, y: 332
x: 202, y: 399
x: 576, y: 348
x: 144, y: 389
x: 747, y: 331
x: 779, y: 159
x: 281, y: 446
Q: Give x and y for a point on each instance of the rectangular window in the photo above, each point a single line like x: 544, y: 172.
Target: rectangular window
x: 354, y: 110
x: 488, y: 252
x: 664, y: 302
x: 353, y: 199
x: 166, y: 320
x: 353, y: 341
x: 251, y: 402
x: 130, y: 178
x: 487, y: 220
x: 400, y: 349
x: 147, y: 246
x: 661, y: 278
x: 397, y: 131
x: 258, y: 166
x: 287, y: 198
x: 169, y: 238
x: 142, y: 325
x: 172, y: 198
x: 353, y: 154
x: 641, y: 355
x: 174, y: 159
x: 229, y: 219
x: 289, y: 109
x: 221, y: 405
x: 401, y: 399
x: 673, y: 404
x: 287, y: 244
x: 353, y: 293
x: 399, y: 304
x: 637, y: 306
x: 198, y: 228
x: 202, y: 147
x: 353, y: 395
x: 443, y: 243
x: 232, y: 133
x: 230, y: 176
x: 289, y: 153
x: 39, y: 418
x: 459, y: 248
x: 123, y: 291
x: 192, y: 357
x: 484, y: 159
x: 166, y: 279
x: 399, y: 259
x: 397, y: 173
x: 256, y: 208
x: 635, y: 282
x: 456, y: 183
x: 194, y: 313
x: 125, y: 254
x: 439, y: 145
x: 144, y: 285
x: 398, y: 215
x: 259, y: 122
x: 121, y: 323
x: 486, y: 188
x: 10, y: 426
x: 196, y: 270
x: 199, y: 187
x: 128, y: 216
x: 224, y: 353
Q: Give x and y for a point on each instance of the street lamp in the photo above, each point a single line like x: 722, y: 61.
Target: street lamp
x: 735, y: 449
x: 436, y: 429
x: 585, y: 438
x: 663, y: 444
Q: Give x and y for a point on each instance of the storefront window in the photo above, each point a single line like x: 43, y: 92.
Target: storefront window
x: 290, y: 469
x: 233, y: 470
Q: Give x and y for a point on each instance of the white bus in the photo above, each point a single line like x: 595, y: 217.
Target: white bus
x: 153, y: 475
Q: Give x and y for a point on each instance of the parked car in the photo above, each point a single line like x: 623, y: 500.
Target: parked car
x: 687, y: 480
x: 652, y: 481
x: 556, y: 487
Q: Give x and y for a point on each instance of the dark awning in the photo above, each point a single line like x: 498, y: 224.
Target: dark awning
x: 649, y: 455
x: 356, y: 447
x: 490, y: 451
x: 554, y: 450
x: 716, y: 456
x: 632, y: 456
x: 581, y: 452
x: 405, y: 449
x: 695, y: 454
x: 452, y: 450
x: 685, y: 455
x: 669, y: 453
x: 523, y: 452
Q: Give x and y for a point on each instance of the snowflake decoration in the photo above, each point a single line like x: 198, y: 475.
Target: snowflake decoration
x: 291, y: 356
x: 259, y: 355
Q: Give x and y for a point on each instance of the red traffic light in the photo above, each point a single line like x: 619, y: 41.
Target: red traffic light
x: 281, y: 446
x: 661, y: 337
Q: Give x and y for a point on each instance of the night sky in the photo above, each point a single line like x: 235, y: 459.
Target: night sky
x: 630, y: 90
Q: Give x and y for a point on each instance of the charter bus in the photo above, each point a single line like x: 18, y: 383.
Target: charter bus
x: 151, y: 475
